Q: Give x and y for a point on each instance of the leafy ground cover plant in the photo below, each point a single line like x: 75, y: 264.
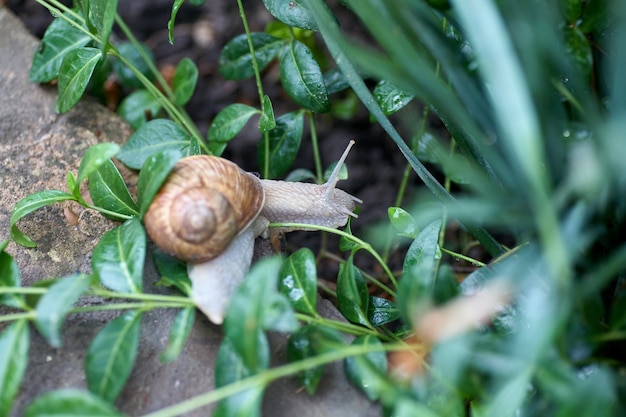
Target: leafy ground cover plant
x: 532, y: 106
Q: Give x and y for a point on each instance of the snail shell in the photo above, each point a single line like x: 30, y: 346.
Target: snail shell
x: 203, y: 205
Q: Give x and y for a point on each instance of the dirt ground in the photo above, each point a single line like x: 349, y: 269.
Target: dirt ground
x: 375, y: 165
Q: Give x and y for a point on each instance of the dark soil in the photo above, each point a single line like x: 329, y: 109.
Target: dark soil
x: 375, y: 165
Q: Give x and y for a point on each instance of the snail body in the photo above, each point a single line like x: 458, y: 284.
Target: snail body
x: 209, y: 211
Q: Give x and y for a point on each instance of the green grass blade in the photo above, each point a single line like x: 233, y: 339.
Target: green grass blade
x: 330, y: 32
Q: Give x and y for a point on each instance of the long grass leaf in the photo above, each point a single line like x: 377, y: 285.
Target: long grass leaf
x: 330, y: 32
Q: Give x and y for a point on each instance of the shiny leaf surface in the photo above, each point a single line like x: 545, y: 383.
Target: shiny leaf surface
x: 302, y: 78
x: 74, y: 75
x: 298, y: 281
x: 118, y: 258
x: 111, y: 355
x: 56, y: 303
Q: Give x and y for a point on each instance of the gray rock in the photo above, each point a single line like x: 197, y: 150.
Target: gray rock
x: 37, y: 149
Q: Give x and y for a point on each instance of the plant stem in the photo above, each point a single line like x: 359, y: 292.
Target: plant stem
x: 146, y: 59
x: 407, y: 175
x: 183, y: 301
x: 366, y: 246
x: 172, y: 110
x: 265, y: 169
x: 265, y: 378
x: 104, y: 211
x: 369, y: 277
x: 22, y: 290
x: 319, y: 174
x: 18, y: 316
x: 463, y: 257
x: 58, y: 9
x: 255, y: 64
x: 329, y: 30
x: 350, y: 328
x: 127, y: 306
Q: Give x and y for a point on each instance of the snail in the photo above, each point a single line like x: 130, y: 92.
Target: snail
x: 209, y: 211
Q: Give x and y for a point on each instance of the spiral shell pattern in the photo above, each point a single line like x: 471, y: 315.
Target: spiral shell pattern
x: 205, y: 202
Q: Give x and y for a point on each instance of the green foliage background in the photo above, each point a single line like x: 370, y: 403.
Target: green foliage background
x: 532, y: 96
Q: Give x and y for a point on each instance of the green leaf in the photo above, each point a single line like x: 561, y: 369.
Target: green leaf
x: 335, y: 81
x: 510, y: 94
x: 292, y: 13
x: 70, y: 402
x: 319, y: 339
x: 299, y: 347
x: 108, y: 190
x: 153, y: 174
x: 173, y: 271
x: 508, y: 397
x: 307, y: 342
x: 185, y: 80
x: 343, y: 171
x: 135, y: 56
x: 300, y: 174
x: 181, y: 328
x: 593, y: 18
x: 256, y: 306
x: 415, y: 290
x: 102, y: 15
x: 457, y: 168
x: 297, y: 280
x: 93, y: 158
x: 429, y: 149
x: 138, y: 107
x: 586, y: 392
x: 390, y: 98
x: 446, y: 285
x: 410, y: 407
x: 572, y: 9
x: 60, y: 39
x: 10, y: 278
x: 14, y: 343
x: 267, y: 120
x: 29, y: 204
x: 33, y: 299
x: 230, y: 368
x: 74, y: 76
x: 236, y: 60
x: 403, y: 222
x: 56, y: 303
x: 579, y: 49
x: 229, y: 121
x: 352, y: 293
x: 368, y: 371
x: 284, y: 143
x: 111, y: 355
x: 119, y: 257
x: 347, y: 244
x: 382, y: 311
x: 217, y: 148
x: 302, y: 78
x: 157, y: 135
x: 278, y: 315
x: 338, y: 46
x: 71, y: 181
